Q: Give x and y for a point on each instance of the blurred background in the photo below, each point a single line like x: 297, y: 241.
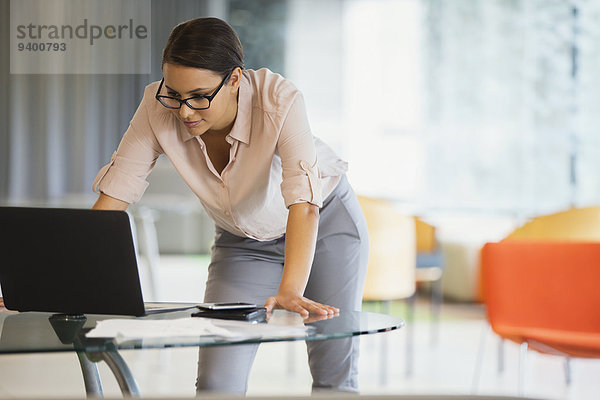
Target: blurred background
x: 483, y: 106
x: 474, y: 116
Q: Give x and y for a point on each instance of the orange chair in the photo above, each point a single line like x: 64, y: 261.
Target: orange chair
x: 545, y: 296
x: 540, y: 285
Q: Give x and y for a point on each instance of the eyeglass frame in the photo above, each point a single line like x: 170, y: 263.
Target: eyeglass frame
x: 181, y: 101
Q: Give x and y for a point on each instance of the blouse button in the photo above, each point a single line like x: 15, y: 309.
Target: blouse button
x: 227, y: 213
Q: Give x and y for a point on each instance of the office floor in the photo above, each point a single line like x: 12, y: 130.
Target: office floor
x: 448, y: 366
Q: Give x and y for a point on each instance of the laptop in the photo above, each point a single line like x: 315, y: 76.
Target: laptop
x: 71, y: 261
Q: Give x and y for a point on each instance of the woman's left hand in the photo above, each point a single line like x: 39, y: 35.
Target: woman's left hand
x: 299, y: 304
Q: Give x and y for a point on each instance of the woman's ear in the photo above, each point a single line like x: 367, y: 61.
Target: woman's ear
x: 235, y: 79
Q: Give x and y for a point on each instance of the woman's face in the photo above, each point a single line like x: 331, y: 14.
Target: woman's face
x: 184, y: 82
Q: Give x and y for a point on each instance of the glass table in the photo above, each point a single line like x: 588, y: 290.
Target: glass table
x: 34, y: 332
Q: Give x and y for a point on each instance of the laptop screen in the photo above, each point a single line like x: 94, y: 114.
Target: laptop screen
x: 68, y: 261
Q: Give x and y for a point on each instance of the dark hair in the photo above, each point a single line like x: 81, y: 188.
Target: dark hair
x: 207, y: 43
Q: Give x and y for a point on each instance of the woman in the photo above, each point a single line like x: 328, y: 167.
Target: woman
x: 289, y: 231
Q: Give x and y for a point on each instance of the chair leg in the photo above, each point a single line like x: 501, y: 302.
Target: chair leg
x: 568, y: 370
x: 522, y: 362
x: 411, y: 303
x: 479, y: 361
x: 436, y: 305
x: 384, y: 357
x: 501, y: 356
x: 386, y: 306
x: 410, y: 316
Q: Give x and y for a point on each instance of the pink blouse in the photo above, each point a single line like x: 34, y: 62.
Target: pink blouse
x: 274, y: 160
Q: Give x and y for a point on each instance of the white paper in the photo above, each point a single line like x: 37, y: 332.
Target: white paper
x: 149, y: 328
x: 190, y: 327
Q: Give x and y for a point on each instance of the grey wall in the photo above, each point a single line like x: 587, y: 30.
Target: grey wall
x: 56, y: 131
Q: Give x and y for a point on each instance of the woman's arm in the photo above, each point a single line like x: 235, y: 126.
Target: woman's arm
x: 300, y: 242
x: 105, y: 202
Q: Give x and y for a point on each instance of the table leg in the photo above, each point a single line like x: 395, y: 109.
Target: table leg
x: 117, y: 365
x: 122, y: 373
x: 91, y: 377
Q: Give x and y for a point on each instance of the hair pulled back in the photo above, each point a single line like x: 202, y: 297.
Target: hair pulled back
x: 207, y: 43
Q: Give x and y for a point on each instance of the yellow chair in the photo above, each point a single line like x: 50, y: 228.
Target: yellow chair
x: 580, y: 224
x: 392, y: 252
x: 391, y: 269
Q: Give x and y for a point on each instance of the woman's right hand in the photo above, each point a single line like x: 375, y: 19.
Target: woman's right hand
x: 2, y: 304
x: 299, y: 304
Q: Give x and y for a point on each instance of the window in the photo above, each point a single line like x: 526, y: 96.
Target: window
x: 455, y: 105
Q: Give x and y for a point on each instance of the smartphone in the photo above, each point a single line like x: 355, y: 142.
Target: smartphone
x: 226, y: 306
x: 254, y: 315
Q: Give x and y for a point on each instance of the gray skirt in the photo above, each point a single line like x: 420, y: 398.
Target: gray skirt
x: 244, y: 269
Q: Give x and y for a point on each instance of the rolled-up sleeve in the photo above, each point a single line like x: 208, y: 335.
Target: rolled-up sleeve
x: 124, y: 177
x: 301, y: 182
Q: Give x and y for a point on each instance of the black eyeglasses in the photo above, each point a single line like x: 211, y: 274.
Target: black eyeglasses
x: 197, y: 102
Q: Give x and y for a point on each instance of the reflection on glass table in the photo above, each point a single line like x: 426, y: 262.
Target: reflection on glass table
x: 34, y: 332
